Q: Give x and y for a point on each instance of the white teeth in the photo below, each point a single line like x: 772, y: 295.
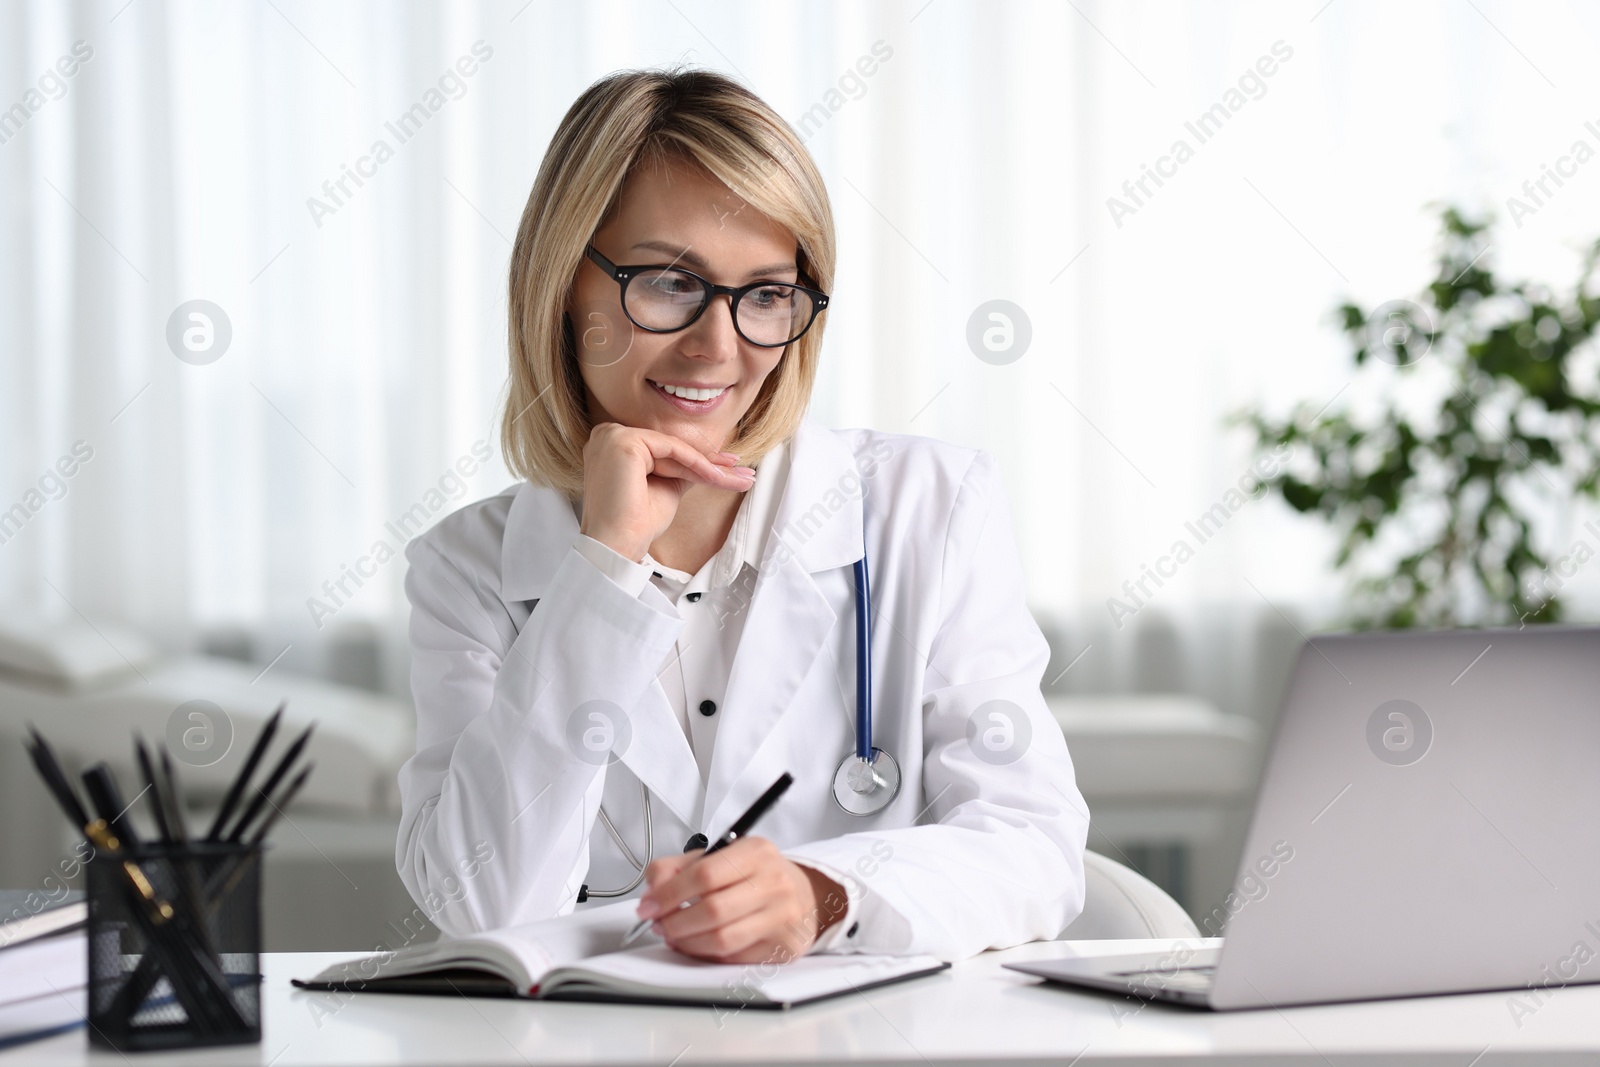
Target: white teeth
x: 689, y: 394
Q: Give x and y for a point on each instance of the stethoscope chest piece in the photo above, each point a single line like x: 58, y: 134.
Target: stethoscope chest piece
x: 866, y: 787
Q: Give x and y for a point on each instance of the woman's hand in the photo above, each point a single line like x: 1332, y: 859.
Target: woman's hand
x: 751, y: 903
x: 633, y: 479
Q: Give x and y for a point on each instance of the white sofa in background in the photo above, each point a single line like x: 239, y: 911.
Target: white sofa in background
x: 329, y: 880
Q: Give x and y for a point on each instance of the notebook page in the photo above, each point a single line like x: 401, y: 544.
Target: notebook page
x: 534, y: 948
x: 658, y: 967
x: 566, y: 939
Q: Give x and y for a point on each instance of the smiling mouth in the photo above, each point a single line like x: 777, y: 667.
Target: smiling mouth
x: 684, y: 392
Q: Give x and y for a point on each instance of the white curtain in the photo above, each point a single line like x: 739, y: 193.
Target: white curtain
x: 204, y: 152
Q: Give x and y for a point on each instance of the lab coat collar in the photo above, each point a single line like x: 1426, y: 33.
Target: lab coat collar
x: 818, y: 521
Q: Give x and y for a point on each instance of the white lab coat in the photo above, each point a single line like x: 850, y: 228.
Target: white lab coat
x: 512, y: 631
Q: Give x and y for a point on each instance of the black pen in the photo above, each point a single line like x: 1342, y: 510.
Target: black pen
x: 55, y: 779
x: 101, y: 785
x: 741, y: 826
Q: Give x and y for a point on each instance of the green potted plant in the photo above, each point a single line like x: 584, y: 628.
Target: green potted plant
x: 1447, y: 492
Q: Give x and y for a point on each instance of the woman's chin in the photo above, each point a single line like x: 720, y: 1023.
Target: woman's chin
x: 703, y: 431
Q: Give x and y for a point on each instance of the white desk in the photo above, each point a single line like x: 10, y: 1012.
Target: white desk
x: 975, y: 1013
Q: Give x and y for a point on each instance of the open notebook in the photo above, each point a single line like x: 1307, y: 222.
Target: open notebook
x: 576, y: 957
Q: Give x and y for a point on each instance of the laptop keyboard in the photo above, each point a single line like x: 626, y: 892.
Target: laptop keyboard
x: 1188, y: 979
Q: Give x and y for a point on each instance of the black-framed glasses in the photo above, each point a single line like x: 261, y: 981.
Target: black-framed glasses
x: 662, y: 298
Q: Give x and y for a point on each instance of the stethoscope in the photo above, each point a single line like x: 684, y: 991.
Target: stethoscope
x: 869, y: 778
x: 867, y: 781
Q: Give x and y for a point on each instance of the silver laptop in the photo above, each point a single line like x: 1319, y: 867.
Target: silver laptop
x: 1428, y: 822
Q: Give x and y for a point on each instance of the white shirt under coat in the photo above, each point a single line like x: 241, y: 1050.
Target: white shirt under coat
x: 518, y: 621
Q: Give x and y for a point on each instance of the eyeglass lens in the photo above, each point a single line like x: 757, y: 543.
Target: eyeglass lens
x: 772, y: 314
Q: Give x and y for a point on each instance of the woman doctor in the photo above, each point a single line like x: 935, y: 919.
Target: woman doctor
x: 613, y: 658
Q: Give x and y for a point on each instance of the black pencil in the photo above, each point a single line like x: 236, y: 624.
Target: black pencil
x: 236, y: 791
x: 281, y: 804
x: 157, y: 800
x: 227, y: 879
x: 264, y: 793
x: 175, y: 816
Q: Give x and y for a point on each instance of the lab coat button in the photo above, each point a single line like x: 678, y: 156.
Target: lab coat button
x: 852, y: 931
x: 695, y: 841
x: 693, y: 598
x: 708, y: 707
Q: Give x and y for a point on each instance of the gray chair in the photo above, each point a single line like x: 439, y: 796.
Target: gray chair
x: 1121, y: 903
x: 1168, y: 776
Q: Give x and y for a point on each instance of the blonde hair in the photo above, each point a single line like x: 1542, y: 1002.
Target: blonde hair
x: 620, y: 122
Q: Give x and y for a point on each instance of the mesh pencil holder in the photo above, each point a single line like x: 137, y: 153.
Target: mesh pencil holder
x: 174, y: 946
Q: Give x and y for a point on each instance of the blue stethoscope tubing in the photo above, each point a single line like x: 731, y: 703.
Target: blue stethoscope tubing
x: 863, y: 659
x: 868, y: 779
